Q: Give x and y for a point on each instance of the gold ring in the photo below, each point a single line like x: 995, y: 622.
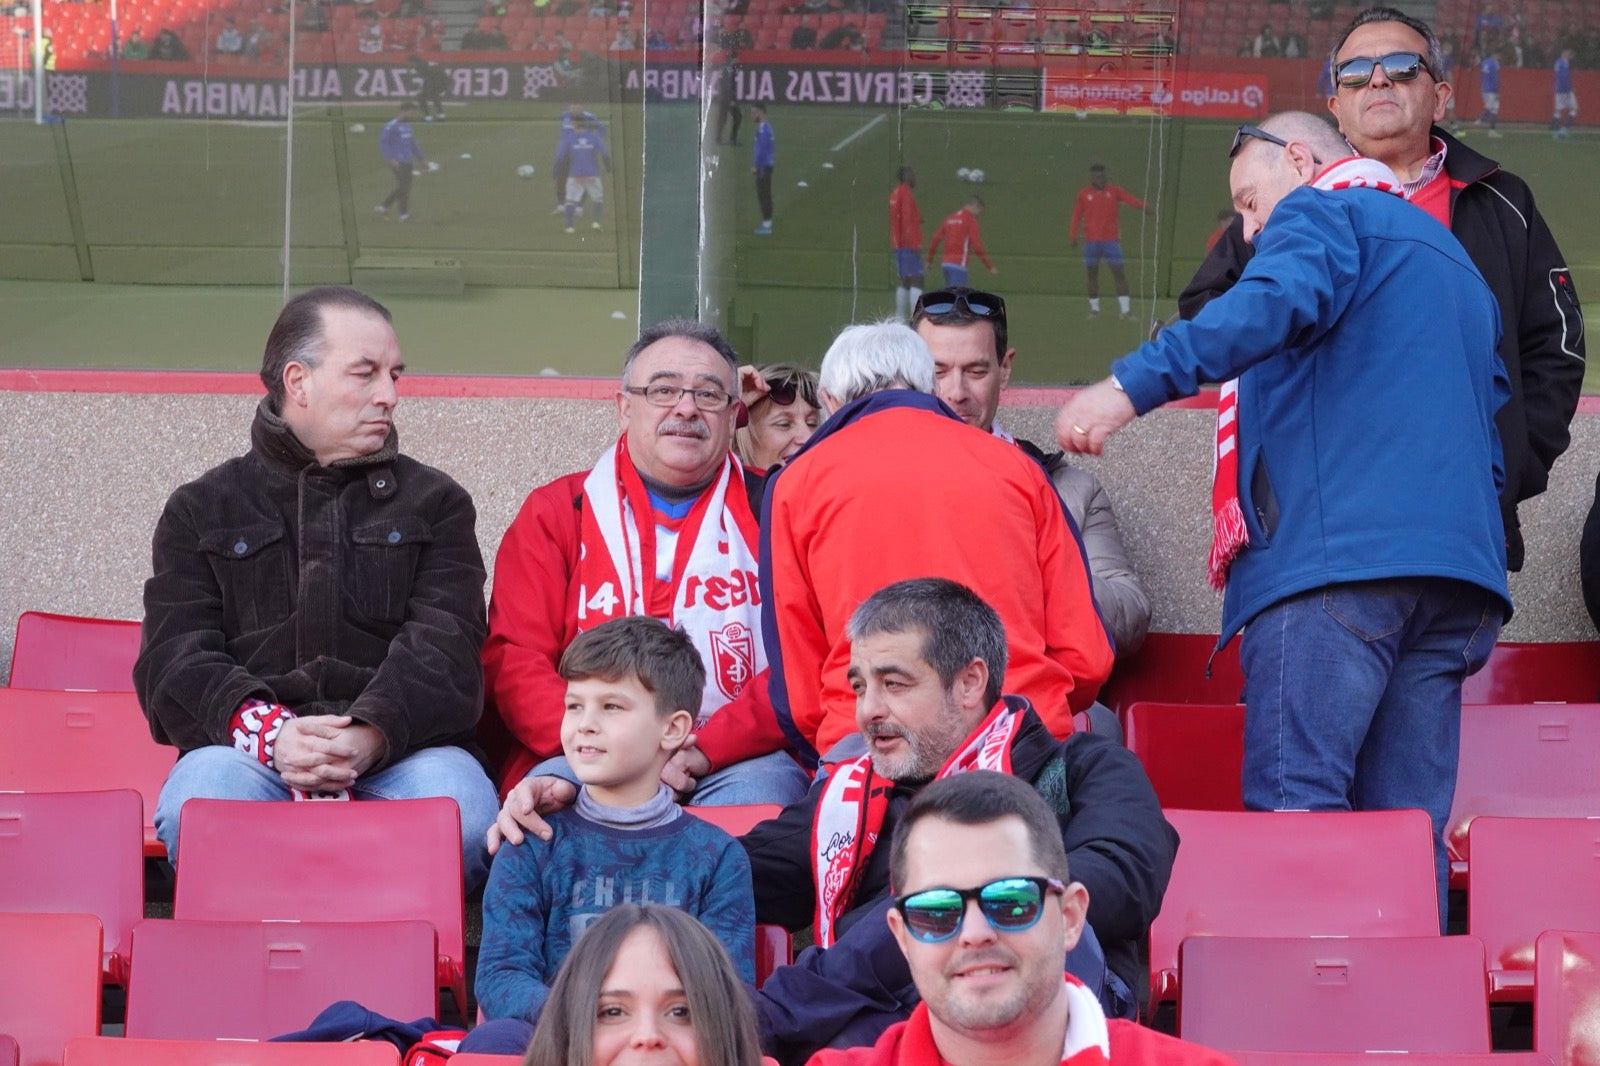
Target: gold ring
x: 1080, y: 430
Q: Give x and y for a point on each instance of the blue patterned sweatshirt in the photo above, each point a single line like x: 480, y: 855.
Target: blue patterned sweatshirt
x: 542, y: 894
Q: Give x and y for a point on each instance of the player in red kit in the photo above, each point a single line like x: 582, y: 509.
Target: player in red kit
x: 1096, y: 210
x: 905, y: 241
x: 959, y: 235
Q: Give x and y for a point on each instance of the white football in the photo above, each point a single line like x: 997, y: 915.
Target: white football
x: 963, y: 174
x: 356, y: 127
x: 977, y: 175
x: 525, y: 170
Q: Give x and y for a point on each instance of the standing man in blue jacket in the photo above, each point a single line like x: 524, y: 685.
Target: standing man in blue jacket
x: 1358, y: 531
x: 761, y: 162
x: 401, y: 151
x: 582, y: 152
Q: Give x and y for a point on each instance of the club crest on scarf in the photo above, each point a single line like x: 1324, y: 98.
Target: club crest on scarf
x: 733, y: 657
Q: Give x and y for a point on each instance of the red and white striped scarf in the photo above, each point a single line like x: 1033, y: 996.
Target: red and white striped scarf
x: 1229, y: 535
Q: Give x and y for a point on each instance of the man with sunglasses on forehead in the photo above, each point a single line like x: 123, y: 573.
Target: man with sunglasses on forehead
x: 985, y: 913
x: 927, y: 657
x: 966, y: 330
x: 664, y: 525
x: 1388, y: 99
x: 1357, y: 538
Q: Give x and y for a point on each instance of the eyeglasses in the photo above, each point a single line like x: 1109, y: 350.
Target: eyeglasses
x: 978, y: 304
x: 669, y: 395
x: 1397, y: 66
x: 1010, y: 904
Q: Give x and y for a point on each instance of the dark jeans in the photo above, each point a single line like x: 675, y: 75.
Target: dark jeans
x: 726, y: 110
x: 401, y: 196
x: 764, y: 192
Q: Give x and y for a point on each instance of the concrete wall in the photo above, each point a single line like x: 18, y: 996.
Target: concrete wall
x: 85, y: 476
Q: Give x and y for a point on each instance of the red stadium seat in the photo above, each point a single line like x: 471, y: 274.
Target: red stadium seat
x: 1192, y: 752
x: 1342, y: 994
x: 1380, y: 1058
x: 1529, y: 875
x: 1527, y: 761
x: 9, y: 1055
x: 1566, y: 996
x: 738, y: 820
x: 49, y: 982
x: 54, y: 741
x: 390, y: 860
x: 1176, y: 668
x: 1294, y: 873
x: 774, y: 948
x: 118, y: 1051
x: 76, y: 853
x: 480, y: 1059
x: 1535, y: 673
x: 256, y: 980
x: 67, y: 652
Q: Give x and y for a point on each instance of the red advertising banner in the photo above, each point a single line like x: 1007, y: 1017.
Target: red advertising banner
x: 1187, y: 94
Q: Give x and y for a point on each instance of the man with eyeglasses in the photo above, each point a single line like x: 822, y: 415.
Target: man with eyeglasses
x: 985, y: 914
x: 1389, y: 98
x: 927, y: 657
x: 1357, y: 534
x: 966, y: 330
x: 664, y: 525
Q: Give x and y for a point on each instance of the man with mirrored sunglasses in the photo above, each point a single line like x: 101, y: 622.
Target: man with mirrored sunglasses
x: 664, y: 525
x: 985, y: 916
x: 1390, y: 110
x: 927, y: 657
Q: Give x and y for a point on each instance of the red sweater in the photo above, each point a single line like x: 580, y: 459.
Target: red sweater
x: 959, y: 234
x: 905, y: 219
x: 1097, y: 210
x: 902, y: 492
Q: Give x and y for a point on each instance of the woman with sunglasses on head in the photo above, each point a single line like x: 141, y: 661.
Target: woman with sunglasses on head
x: 782, y: 413
x: 646, y: 983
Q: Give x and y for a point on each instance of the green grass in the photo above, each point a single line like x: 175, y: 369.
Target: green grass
x: 179, y: 224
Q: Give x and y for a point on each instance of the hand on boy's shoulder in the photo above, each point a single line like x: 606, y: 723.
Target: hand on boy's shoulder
x: 685, y: 769
x: 525, y: 804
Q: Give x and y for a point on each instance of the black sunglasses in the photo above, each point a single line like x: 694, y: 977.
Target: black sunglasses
x: 1010, y: 904
x: 1244, y: 133
x: 1355, y: 72
x: 975, y: 303
x: 790, y: 386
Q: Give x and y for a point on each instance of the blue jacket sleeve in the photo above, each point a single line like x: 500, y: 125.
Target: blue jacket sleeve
x: 730, y: 908
x: 513, y: 974
x: 1295, y: 288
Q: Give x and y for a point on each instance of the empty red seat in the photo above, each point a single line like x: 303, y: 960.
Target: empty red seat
x: 67, y: 652
x: 118, y: 1051
x: 389, y: 860
x: 1530, y: 673
x: 1174, y: 667
x: 76, y: 853
x: 739, y: 819
x: 1529, y: 875
x: 49, y: 982
x: 256, y: 980
x: 53, y: 741
x: 9, y: 1055
x: 1193, y: 752
x: 1294, y: 873
x: 1341, y: 994
x: 1566, y: 996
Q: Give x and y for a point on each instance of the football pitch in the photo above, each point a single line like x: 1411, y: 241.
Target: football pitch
x: 180, y: 225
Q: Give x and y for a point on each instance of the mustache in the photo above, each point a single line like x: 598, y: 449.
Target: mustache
x: 884, y: 729
x: 991, y: 956
x: 681, y: 426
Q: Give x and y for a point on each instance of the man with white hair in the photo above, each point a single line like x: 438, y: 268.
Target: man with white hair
x: 895, y: 486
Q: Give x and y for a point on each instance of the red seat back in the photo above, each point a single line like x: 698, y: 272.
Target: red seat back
x: 1172, y: 668
x: 1342, y: 994
x: 76, y: 853
x: 1378, y: 1058
x: 256, y: 980
x: 1193, y: 752
x: 52, y: 741
x: 1566, y: 996
x: 738, y: 820
x: 1530, y: 673
x: 1529, y: 875
x: 374, y: 861
x: 1294, y: 873
x: 1526, y: 761
x: 119, y: 1051
x: 49, y: 982
x: 9, y: 1055
x: 67, y: 652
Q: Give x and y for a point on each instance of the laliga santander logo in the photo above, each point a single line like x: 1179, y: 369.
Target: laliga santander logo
x: 1212, y: 96
x: 1252, y: 96
x: 733, y: 654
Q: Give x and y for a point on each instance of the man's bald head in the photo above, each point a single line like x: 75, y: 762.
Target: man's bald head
x: 1267, y: 168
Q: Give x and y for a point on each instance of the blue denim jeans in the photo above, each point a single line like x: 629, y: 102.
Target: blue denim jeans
x: 224, y: 773
x: 1353, y: 697
x: 773, y: 778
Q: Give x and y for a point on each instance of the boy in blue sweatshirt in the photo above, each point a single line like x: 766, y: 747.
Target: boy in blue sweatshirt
x: 634, y: 688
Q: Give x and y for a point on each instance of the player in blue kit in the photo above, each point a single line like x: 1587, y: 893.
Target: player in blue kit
x: 1566, y: 101
x: 583, y: 151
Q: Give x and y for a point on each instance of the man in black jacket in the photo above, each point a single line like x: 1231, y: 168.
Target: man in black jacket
x: 1388, y: 108
x: 926, y: 662
x: 313, y: 623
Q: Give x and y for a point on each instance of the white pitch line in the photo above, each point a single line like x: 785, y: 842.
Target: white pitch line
x: 845, y: 143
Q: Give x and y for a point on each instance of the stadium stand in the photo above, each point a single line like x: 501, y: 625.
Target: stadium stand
x: 76, y: 853
x: 54, y: 741
x: 1529, y: 875
x: 62, y: 651
x: 1566, y: 995
x: 1294, y: 873
x: 1529, y: 761
x: 1191, y: 751
x: 194, y: 980
x: 49, y: 982
x: 1344, y: 995
x: 113, y: 1051
x: 399, y: 860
